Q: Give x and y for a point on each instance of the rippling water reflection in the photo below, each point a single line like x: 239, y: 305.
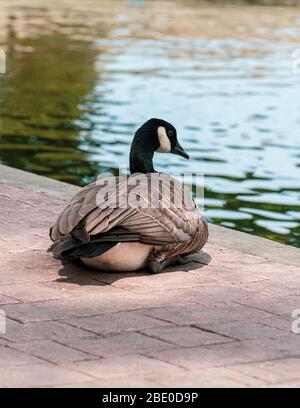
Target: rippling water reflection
x: 74, y: 95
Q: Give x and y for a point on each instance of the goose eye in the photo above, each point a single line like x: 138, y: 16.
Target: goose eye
x: 170, y: 133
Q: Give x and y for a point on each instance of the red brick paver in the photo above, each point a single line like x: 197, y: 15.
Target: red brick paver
x: 224, y: 323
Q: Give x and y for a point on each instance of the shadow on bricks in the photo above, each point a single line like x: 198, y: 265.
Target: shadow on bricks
x: 83, y: 276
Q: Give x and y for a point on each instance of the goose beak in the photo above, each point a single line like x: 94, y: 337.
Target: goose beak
x: 179, y: 151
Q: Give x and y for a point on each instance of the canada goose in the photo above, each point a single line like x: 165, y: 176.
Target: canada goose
x: 133, y: 236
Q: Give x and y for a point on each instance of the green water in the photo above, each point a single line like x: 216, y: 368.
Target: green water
x: 70, y: 105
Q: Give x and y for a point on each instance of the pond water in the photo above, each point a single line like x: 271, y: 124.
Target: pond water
x: 80, y: 80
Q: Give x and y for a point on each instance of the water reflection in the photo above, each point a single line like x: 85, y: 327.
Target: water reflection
x: 74, y: 95
x: 44, y: 97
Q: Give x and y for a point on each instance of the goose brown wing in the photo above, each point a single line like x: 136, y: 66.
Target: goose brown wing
x: 154, y: 208
x: 87, y: 211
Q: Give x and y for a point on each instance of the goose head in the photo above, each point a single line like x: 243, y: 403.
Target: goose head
x: 155, y: 135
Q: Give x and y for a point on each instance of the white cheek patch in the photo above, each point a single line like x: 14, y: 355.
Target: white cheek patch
x: 164, y: 141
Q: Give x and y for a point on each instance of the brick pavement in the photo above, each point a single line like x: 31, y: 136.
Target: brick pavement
x: 224, y: 323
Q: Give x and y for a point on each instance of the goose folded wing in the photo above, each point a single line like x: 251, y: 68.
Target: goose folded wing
x: 90, y: 214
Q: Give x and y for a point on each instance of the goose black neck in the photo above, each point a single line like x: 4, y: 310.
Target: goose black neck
x: 141, y: 161
x: 141, y: 155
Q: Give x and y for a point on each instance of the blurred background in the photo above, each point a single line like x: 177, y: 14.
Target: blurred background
x: 82, y: 75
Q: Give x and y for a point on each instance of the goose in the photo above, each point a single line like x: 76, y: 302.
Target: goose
x: 98, y: 231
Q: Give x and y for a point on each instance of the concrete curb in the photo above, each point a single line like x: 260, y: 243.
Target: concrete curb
x: 222, y: 236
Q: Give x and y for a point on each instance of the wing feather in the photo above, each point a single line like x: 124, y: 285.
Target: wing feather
x: 175, y: 219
